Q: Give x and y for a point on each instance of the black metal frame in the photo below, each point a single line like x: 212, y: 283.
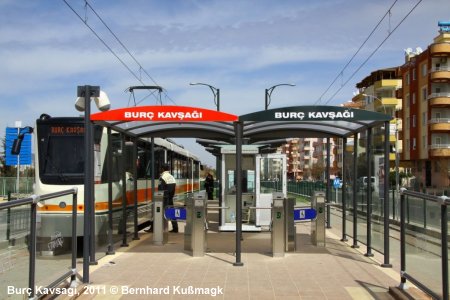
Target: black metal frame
x: 443, y: 201
x: 33, y: 201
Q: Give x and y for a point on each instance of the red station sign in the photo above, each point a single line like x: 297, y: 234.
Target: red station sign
x: 164, y: 113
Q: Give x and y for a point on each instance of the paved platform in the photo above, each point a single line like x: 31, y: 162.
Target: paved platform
x: 168, y: 272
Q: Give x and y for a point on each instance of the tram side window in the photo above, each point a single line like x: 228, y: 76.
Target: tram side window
x: 159, y: 160
x: 116, y: 167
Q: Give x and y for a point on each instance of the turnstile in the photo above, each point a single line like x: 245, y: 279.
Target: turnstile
x: 290, y: 233
x: 318, y: 224
x: 278, y: 235
x: 195, y: 230
x: 160, y: 227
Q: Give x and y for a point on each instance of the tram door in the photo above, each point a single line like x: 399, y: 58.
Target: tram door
x: 270, y: 177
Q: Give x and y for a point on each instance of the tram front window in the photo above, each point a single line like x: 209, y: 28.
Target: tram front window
x: 61, y: 160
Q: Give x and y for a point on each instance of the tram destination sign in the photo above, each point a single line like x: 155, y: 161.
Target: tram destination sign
x: 314, y: 113
x: 168, y: 113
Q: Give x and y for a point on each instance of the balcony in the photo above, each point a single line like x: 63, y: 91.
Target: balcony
x: 386, y: 83
x: 440, y: 74
x: 439, y: 124
x: 439, y: 150
x: 440, y: 48
x: 439, y: 99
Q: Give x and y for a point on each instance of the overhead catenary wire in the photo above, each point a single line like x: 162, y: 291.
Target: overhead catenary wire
x: 341, y: 72
x: 112, y: 51
x: 141, y: 68
x: 373, y: 52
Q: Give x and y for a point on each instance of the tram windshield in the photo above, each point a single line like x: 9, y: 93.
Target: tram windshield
x: 60, y: 150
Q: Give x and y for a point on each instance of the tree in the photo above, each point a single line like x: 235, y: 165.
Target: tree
x: 6, y: 171
x: 317, y: 169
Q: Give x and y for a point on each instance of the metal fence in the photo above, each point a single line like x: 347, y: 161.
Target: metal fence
x: 9, y: 185
x: 17, y: 223
x: 425, y: 262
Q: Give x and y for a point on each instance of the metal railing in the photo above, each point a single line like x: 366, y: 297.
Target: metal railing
x: 34, y: 201
x: 443, y: 201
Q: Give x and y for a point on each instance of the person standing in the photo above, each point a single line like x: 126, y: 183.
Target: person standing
x: 209, y: 186
x: 167, y: 184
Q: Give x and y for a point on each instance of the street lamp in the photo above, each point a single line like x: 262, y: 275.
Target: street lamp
x: 269, y: 93
x: 101, y: 100
x: 216, y: 93
x: 378, y: 99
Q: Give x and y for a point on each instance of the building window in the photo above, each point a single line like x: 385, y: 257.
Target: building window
x: 414, y: 74
x: 407, y: 78
x: 414, y: 98
x: 424, y: 118
x: 407, y: 100
x: 414, y: 121
x: 424, y: 142
x: 408, y: 146
x: 424, y: 94
x: 424, y: 70
x: 414, y: 144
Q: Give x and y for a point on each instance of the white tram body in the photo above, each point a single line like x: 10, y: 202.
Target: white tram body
x: 59, y: 165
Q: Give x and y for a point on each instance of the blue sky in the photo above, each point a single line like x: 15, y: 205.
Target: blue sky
x: 241, y: 47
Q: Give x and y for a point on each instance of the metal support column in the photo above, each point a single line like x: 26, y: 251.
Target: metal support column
x: 109, y: 162
x: 369, y: 192
x: 238, y: 130
x: 444, y: 248
x: 32, y: 249
x: 328, y: 208
x: 344, y: 194
x: 355, y: 191
x: 153, y: 173
x: 135, y: 189
x: 124, y: 195
x: 386, y: 263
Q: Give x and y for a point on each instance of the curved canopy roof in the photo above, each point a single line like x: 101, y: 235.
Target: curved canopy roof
x: 258, y: 127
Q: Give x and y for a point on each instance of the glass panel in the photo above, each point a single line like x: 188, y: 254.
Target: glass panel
x: 54, y: 242
x: 423, y: 253
x: 14, y: 254
x: 271, y: 175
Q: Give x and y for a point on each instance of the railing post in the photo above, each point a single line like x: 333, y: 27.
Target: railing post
x: 73, y: 278
x: 444, y: 248
x: 8, y: 220
x: 32, y: 247
x: 135, y: 191
x: 124, y: 195
x: 402, y: 239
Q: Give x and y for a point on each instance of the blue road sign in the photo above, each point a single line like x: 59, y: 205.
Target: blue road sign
x: 304, y: 214
x: 175, y: 213
x: 25, y: 151
x: 337, y: 183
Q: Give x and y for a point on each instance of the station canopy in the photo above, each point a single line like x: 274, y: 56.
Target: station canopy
x: 212, y: 128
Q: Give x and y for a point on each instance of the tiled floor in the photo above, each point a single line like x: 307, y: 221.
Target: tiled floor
x: 166, y: 272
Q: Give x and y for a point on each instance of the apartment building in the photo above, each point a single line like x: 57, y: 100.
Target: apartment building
x: 426, y: 111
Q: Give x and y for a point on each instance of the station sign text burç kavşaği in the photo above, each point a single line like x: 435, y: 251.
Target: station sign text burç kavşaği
x: 163, y: 113
x: 314, y: 113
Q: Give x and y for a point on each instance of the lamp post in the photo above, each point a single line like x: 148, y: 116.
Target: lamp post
x: 216, y: 93
x: 269, y: 91
x: 101, y: 100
